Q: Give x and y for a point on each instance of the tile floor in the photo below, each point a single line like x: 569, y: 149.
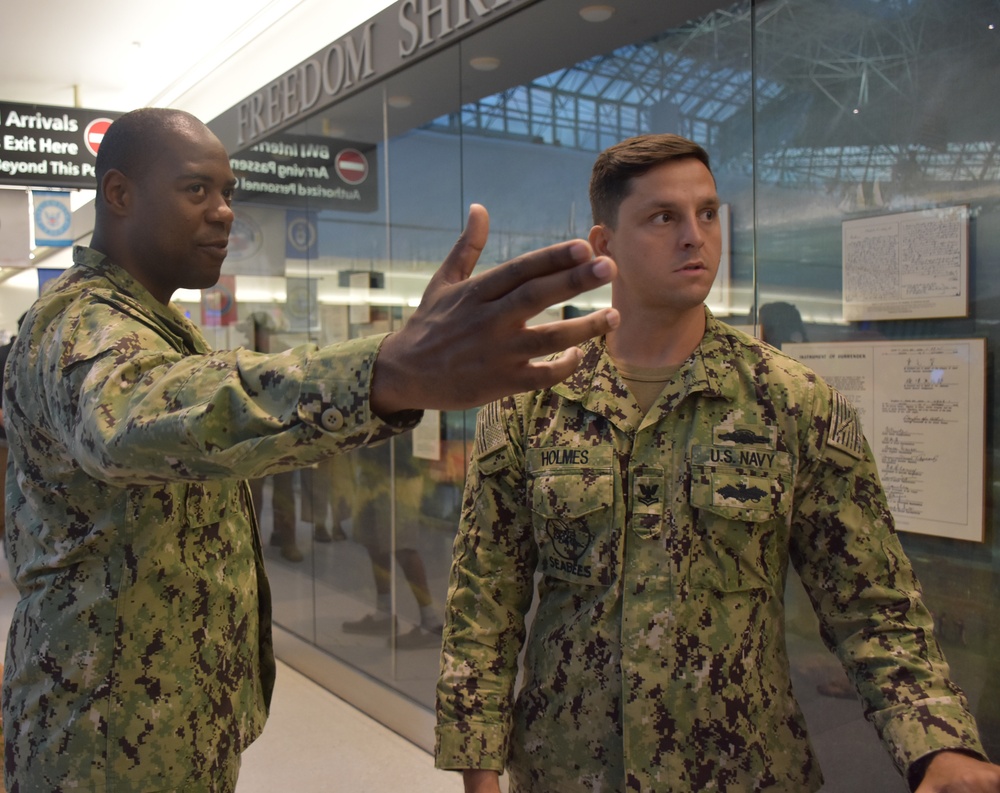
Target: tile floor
x: 314, y: 742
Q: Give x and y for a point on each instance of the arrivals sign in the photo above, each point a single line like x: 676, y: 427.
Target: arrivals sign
x: 308, y: 171
x: 42, y: 146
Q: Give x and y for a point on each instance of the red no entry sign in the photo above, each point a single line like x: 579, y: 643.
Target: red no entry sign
x: 351, y: 166
x: 94, y: 133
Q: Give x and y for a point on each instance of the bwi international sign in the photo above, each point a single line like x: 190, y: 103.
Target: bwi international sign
x: 308, y: 171
x: 43, y: 146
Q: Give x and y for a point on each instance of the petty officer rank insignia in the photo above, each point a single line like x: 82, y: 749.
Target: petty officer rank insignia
x: 648, y: 501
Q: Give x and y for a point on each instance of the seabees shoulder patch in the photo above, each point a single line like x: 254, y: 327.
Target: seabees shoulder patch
x: 845, y: 427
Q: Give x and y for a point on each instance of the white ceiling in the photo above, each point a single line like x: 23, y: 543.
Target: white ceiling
x: 122, y: 54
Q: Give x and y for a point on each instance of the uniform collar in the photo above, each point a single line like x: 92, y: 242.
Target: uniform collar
x: 599, y: 387
x: 171, y: 316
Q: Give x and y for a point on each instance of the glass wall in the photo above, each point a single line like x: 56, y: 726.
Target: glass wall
x: 815, y: 115
x: 882, y: 118
x: 358, y: 547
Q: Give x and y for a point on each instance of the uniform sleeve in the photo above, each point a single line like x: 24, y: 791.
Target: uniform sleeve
x: 492, y: 581
x: 866, y: 595
x: 131, y: 407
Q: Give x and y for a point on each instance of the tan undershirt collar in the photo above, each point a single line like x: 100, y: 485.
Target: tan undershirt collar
x: 646, y: 383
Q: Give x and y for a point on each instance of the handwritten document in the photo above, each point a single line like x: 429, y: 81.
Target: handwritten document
x: 911, y: 264
x: 427, y: 436
x: 922, y: 406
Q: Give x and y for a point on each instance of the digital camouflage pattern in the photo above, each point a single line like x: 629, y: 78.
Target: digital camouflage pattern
x: 657, y: 660
x: 139, y: 657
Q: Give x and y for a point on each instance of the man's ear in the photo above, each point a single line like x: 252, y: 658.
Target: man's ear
x: 116, y: 190
x: 600, y: 239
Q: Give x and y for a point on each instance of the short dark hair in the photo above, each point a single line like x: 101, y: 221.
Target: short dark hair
x: 132, y: 141
x: 616, y: 166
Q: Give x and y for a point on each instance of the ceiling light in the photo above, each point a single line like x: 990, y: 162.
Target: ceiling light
x: 399, y: 101
x: 484, y: 63
x: 597, y: 13
x: 331, y: 130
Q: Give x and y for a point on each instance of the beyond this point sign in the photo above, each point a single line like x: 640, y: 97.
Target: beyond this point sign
x: 43, y: 146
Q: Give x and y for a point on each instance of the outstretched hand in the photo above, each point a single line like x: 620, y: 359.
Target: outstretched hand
x: 477, y: 781
x: 954, y: 772
x: 468, y: 341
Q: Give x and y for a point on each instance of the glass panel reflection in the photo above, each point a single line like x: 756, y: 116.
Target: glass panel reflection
x: 813, y: 113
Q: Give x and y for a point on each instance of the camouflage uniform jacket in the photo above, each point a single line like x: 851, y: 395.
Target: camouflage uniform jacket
x: 139, y: 657
x: 656, y: 659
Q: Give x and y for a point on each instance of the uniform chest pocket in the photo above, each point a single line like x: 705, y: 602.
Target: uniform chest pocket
x: 572, y: 511
x: 187, y: 524
x: 741, y: 519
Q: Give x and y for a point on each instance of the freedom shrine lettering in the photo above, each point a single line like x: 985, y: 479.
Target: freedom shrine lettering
x: 409, y: 29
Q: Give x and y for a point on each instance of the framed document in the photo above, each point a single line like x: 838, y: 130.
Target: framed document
x: 923, y: 410
x: 906, y: 266
x: 427, y: 436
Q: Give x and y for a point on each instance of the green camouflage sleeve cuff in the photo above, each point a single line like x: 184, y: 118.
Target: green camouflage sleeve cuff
x: 463, y: 745
x: 336, y: 390
x: 930, y: 727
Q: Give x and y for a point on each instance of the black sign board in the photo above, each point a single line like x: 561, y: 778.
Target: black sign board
x: 308, y: 171
x: 42, y: 146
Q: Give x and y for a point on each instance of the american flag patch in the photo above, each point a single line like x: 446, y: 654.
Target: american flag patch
x: 490, y: 434
x: 845, y: 429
